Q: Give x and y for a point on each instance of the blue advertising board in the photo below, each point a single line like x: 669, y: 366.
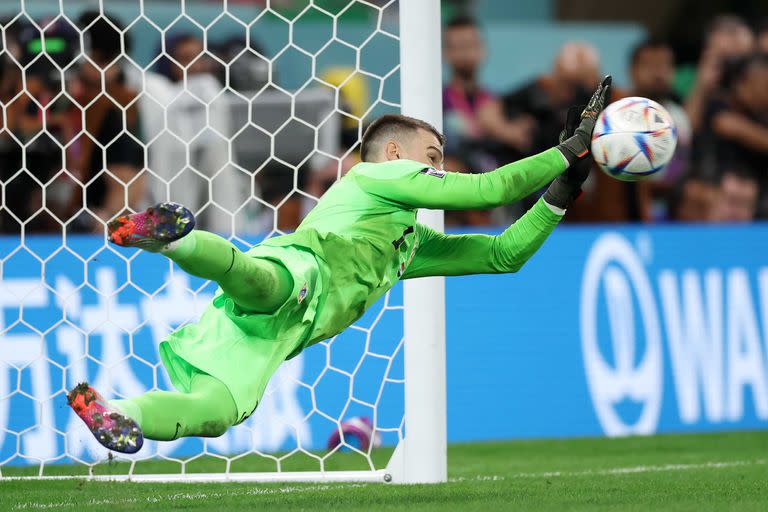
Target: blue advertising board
x: 614, y: 331
x: 606, y: 331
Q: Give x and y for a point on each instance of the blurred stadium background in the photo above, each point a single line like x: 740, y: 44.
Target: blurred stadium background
x: 646, y: 314
x: 510, y: 69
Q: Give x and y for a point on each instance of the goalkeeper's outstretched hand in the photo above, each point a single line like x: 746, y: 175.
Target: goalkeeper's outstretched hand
x: 575, y: 141
x: 576, y: 145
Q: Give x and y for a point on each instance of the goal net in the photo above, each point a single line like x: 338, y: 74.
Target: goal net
x: 246, y: 112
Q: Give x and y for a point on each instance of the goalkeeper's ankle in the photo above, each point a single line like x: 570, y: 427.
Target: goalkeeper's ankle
x: 180, y: 248
x: 128, y: 408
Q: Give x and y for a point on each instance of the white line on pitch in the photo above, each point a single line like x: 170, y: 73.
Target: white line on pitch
x: 643, y: 469
x: 182, y: 496
x: 175, y: 497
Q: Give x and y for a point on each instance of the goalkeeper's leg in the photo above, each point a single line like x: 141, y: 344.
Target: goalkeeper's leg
x: 255, y: 284
x: 208, y: 410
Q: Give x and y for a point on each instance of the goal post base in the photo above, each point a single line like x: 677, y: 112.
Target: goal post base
x: 395, y: 472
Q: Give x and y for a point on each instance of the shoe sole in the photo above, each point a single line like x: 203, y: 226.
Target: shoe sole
x: 168, y: 223
x: 124, y: 435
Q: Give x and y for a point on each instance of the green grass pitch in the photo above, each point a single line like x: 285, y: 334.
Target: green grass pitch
x: 718, y: 472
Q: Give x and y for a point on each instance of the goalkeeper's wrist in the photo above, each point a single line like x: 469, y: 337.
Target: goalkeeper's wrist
x: 560, y: 193
x: 573, y: 149
x: 554, y: 209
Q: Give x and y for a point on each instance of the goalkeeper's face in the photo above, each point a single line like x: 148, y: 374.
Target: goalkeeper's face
x: 423, y: 146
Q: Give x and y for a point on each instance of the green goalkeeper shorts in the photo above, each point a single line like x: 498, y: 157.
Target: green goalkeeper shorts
x: 243, y: 350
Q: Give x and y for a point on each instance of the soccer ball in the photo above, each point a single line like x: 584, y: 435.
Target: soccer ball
x: 357, y: 432
x: 634, y: 138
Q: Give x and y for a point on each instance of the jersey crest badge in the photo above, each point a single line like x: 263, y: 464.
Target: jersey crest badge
x: 302, y: 293
x: 431, y: 171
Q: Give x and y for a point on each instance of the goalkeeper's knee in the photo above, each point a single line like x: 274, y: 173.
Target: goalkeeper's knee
x: 218, y: 409
x: 213, y: 428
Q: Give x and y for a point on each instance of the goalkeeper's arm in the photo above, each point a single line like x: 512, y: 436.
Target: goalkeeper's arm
x: 439, y: 254
x: 422, y: 187
x: 452, y: 255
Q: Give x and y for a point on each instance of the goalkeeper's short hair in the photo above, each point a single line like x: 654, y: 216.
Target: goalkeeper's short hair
x: 392, y: 127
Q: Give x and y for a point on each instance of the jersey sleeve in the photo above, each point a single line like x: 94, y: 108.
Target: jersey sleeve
x: 439, y: 254
x: 424, y: 187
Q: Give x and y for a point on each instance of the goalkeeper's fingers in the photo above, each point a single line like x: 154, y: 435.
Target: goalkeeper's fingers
x: 572, y: 120
x: 599, y: 97
x: 605, y: 93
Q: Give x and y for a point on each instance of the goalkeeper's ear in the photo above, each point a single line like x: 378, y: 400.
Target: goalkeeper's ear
x: 392, y: 150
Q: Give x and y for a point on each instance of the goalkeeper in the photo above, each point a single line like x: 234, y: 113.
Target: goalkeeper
x: 292, y: 291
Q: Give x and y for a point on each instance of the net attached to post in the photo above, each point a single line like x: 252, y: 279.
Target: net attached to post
x: 245, y: 114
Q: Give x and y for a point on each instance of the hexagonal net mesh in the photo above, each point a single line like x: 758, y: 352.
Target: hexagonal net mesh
x: 246, y: 113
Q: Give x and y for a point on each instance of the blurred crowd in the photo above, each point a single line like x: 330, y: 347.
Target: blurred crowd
x: 719, y: 172
x: 87, y: 134
x: 73, y: 146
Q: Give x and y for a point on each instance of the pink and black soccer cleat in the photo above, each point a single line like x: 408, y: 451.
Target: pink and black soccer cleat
x: 152, y: 229
x: 110, y: 427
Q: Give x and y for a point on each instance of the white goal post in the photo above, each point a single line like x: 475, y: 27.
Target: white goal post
x: 424, y: 457
x: 74, y: 308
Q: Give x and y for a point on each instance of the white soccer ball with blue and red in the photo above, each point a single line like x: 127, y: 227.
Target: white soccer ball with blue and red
x: 634, y: 139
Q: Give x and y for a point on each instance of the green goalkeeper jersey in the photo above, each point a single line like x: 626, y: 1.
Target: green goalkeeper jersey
x: 365, y: 236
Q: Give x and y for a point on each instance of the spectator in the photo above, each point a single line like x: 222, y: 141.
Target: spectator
x: 762, y: 37
x: 246, y: 70
x: 652, y: 70
x: 728, y: 38
x: 696, y: 198
x: 735, y: 131
x: 353, y: 94
x: 187, y: 57
x: 575, y: 74
x: 38, y: 117
x: 472, y: 113
x: 737, y: 198
x: 187, y: 126
x: 479, y: 136
x: 112, y: 124
x: 10, y: 152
